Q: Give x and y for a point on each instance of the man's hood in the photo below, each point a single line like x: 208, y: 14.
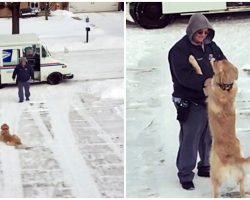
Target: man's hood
x: 196, y: 22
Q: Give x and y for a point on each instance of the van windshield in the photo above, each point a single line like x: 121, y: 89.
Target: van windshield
x: 45, y: 52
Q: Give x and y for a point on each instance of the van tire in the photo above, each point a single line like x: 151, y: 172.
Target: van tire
x: 149, y: 15
x: 1, y: 85
x: 54, y: 78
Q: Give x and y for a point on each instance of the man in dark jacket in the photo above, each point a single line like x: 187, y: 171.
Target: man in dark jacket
x: 24, y: 73
x: 189, y: 98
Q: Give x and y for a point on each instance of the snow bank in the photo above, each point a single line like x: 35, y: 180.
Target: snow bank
x: 66, y: 31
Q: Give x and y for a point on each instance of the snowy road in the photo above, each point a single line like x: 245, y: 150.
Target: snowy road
x: 152, y: 130
x: 75, y: 129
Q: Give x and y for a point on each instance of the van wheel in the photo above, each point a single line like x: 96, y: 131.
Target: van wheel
x: 1, y: 85
x: 149, y: 15
x: 54, y: 78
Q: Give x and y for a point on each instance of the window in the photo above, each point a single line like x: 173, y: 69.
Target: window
x: 44, y: 52
x: 33, y: 5
x: 32, y: 53
x: 11, y: 57
x: 31, y: 50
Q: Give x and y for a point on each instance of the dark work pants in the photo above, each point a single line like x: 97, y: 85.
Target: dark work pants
x: 26, y: 87
x: 194, y: 137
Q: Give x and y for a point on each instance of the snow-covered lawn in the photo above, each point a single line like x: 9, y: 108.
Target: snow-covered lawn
x: 76, y: 127
x: 152, y: 129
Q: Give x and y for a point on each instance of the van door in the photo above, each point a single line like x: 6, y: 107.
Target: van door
x: 46, y: 63
x: 32, y: 53
x: 10, y: 58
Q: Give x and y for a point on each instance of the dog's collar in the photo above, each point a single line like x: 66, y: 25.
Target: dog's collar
x: 225, y: 86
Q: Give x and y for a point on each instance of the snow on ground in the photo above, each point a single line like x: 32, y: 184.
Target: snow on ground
x: 76, y: 127
x: 106, y: 30
x: 152, y: 130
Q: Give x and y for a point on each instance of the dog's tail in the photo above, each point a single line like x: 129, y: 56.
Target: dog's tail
x: 22, y: 146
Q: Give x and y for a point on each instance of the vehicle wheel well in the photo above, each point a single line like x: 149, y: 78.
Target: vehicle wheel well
x: 54, y: 78
x: 149, y: 15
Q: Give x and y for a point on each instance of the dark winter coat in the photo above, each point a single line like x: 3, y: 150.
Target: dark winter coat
x: 186, y: 83
x: 23, y: 73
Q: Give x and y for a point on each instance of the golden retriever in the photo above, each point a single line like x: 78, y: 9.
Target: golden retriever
x: 6, y: 137
x: 225, y: 158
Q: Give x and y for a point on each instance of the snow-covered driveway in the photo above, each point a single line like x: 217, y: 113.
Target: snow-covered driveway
x: 75, y: 129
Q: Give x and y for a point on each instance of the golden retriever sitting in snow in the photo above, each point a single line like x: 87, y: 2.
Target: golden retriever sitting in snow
x: 6, y: 137
x: 225, y: 157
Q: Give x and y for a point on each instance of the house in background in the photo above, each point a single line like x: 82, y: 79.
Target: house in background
x: 38, y: 8
x: 78, y: 7
x: 33, y: 8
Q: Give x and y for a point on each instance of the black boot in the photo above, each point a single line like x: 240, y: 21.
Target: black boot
x: 204, y: 171
x: 188, y: 185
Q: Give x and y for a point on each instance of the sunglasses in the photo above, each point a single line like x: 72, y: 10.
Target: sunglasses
x: 200, y: 32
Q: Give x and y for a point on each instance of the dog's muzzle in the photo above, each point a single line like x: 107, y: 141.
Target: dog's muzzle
x: 225, y: 86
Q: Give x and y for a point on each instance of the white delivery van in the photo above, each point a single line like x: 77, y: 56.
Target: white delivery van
x: 46, y: 68
x: 152, y: 15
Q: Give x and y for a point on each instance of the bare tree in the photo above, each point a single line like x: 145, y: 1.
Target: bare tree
x: 47, y: 9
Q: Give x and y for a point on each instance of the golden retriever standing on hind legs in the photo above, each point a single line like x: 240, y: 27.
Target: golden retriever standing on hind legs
x: 225, y: 157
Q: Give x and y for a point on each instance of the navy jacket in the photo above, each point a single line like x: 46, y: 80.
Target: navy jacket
x: 23, y: 73
x: 186, y: 83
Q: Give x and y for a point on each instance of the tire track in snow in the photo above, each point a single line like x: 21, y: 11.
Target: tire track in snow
x: 12, y: 184
x: 42, y: 175
x: 10, y: 165
x: 103, y: 151
x: 96, y: 115
x: 67, y: 151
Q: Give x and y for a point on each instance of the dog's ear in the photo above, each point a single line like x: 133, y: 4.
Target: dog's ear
x: 236, y: 73
x: 233, y: 71
x: 218, y: 66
